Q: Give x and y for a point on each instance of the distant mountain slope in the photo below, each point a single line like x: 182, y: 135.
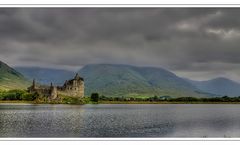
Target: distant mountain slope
x: 11, y: 79
x: 220, y: 86
x: 125, y: 80
x: 162, y: 78
x: 46, y: 75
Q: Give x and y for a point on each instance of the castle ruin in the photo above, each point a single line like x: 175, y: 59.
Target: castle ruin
x: 73, y: 87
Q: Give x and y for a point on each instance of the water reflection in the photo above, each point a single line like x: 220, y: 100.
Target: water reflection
x: 164, y: 120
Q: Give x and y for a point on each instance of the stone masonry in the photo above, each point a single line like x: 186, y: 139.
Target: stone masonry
x: 73, y: 87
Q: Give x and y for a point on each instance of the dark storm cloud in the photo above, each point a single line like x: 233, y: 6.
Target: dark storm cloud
x: 185, y: 40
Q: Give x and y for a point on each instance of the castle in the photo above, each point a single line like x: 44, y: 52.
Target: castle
x: 73, y: 87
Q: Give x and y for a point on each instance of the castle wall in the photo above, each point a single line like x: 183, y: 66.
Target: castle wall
x: 53, y: 93
x: 45, y: 92
x: 74, y: 88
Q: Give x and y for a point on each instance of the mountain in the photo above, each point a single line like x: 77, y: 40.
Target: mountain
x: 46, y: 75
x: 125, y: 80
x: 122, y: 80
x: 11, y: 79
x: 220, y: 86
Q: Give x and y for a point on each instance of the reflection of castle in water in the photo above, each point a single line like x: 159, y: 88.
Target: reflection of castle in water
x: 73, y: 87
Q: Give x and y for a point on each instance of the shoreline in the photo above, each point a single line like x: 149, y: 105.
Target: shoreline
x: 119, y: 102
x: 17, y: 102
x: 165, y: 102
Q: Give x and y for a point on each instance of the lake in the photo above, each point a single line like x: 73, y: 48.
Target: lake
x: 120, y: 120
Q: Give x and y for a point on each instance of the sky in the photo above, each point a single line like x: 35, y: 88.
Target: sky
x: 196, y: 43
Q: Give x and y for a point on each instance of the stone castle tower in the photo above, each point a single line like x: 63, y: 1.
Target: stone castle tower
x: 53, y: 92
x: 73, y: 88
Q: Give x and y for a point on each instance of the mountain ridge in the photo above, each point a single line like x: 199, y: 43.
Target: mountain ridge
x: 135, y: 80
x: 129, y: 80
x: 219, y: 86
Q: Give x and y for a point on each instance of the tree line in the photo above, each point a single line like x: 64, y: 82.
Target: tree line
x: 17, y: 95
x: 95, y: 97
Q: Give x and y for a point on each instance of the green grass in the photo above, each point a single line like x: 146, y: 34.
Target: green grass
x: 22, y: 96
x: 61, y: 99
x: 8, y: 82
x: 111, y: 102
x: 162, y: 102
x: 17, y: 101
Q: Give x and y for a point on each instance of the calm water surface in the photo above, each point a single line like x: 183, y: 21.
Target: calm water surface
x: 160, y: 120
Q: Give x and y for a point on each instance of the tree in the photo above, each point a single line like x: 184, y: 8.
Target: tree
x: 102, y: 97
x: 155, y: 98
x: 94, y: 97
x: 28, y: 97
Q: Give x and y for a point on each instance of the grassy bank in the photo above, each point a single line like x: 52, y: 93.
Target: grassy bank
x: 16, y: 101
x: 162, y: 102
x: 112, y: 102
x: 22, y: 96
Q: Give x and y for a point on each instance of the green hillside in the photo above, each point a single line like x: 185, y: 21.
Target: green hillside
x: 130, y: 81
x: 11, y: 79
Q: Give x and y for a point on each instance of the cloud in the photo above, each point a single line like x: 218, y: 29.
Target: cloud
x: 186, y: 40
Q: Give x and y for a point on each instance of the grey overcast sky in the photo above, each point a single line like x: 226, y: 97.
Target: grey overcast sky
x: 198, y: 43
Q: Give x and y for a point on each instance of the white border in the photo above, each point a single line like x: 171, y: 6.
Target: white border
x: 121, y: 5
x: 119, y: 139
x: 117, y: 2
